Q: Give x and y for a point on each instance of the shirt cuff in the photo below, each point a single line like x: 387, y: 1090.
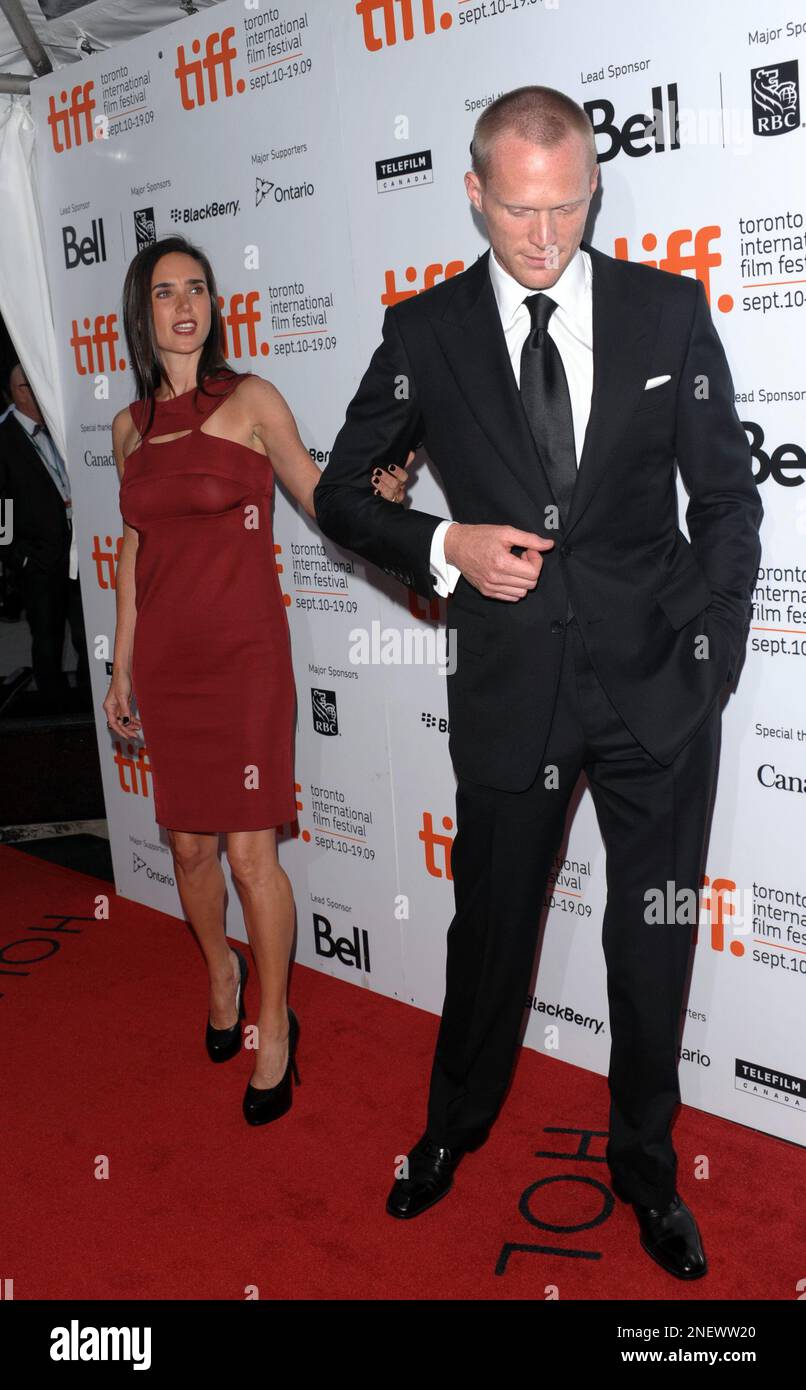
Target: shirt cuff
x: 446, y: 575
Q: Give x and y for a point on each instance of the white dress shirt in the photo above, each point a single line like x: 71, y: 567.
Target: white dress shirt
x: 571, y: 329
x: 57, y: 469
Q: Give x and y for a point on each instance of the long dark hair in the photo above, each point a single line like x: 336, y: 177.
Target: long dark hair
x: 138, y: 323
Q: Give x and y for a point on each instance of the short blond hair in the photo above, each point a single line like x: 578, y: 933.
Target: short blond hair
x: 540, y: 114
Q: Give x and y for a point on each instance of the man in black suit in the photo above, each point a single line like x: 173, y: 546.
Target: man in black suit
x: 590, y: 633
x: 34, y: 479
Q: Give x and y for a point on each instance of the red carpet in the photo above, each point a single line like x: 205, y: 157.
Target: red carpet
x: 104, y: 1064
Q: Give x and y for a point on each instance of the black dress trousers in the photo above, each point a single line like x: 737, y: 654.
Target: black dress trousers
x: 654, y: 822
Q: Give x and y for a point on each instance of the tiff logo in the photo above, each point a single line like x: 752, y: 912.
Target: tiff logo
x: 389, y: 11
x: 198, y: 77
x: 71, y: 123
x: 700, y: 258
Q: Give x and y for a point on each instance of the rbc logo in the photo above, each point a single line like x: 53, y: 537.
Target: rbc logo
x: 325, y: 714
x: 776, y: 104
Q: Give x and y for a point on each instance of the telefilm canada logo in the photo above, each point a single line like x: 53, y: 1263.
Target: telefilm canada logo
x: 766, y: 1084
x: 404, y: 171
x: 145, y: 227
x: 776, y: 98
x: 324, y: 712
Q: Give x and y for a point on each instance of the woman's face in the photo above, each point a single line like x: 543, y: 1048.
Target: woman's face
x: 180, y: 304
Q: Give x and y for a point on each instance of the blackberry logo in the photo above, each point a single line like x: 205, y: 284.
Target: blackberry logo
x: 207, y: 211
x: 145, y: 227
x: 325, y: 714
x: 435, y: 721
x: 776, y: 99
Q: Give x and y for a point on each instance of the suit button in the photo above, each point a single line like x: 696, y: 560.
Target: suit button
x: 557, y: 625
x: 566, y: 550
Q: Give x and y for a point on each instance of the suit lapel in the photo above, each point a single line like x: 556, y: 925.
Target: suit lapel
x: 472, y: 338
x: 625, y: 324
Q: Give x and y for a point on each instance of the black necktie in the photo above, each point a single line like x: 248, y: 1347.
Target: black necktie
x: 546, y: 400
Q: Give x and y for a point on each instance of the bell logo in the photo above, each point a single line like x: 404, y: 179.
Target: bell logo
x: 71, y: 122
x: 388, y: 11
x: 700, y: 258
x: 199, y: 77
x: 633, y: 137
x: 355, y: 952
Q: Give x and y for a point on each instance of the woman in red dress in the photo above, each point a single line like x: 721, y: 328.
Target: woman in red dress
x: 202, y: 638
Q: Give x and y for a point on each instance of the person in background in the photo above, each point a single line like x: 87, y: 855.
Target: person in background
x: 42, y: 551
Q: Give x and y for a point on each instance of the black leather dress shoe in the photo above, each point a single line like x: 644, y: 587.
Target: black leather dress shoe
x: 431, y: 1170
x: 670, y: 1235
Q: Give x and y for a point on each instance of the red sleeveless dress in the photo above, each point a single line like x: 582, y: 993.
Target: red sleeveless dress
x: 211, y: 661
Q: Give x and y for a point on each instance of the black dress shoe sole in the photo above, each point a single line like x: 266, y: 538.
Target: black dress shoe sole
x: 676, y: 1273
x: 409, y: 1215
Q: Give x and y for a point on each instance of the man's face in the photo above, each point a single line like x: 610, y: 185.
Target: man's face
x: 535, y: 203
x: 22, y: 395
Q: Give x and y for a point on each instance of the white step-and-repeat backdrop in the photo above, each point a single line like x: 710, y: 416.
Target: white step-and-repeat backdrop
x: 316, y: 149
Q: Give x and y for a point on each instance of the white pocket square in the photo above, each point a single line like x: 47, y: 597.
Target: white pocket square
x: 657, y: 380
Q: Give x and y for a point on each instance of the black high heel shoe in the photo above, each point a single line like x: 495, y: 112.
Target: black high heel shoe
x: 261, y: 1105
x: 223, y: 1043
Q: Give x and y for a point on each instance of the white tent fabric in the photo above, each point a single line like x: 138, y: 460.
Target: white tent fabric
x: 101, y: 24
x: 24, y: 291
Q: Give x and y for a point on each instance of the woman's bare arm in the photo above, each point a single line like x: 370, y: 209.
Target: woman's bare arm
x: 276, y: 428
x: 117, y: 703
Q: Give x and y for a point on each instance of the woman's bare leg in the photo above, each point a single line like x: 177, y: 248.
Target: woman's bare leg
x: 201, y: 886
x: 268, y: 907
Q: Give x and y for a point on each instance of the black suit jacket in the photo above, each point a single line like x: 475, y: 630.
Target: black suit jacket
x: 641, y: 592
x: 41, y: 531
